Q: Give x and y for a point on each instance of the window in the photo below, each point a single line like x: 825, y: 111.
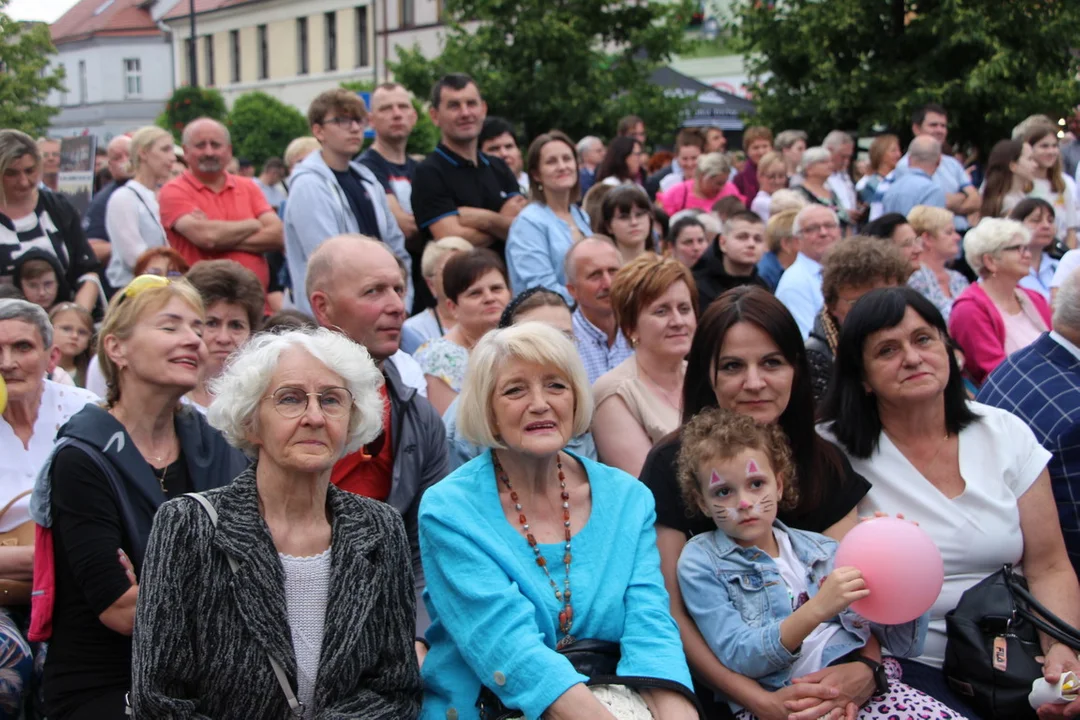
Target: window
x: 362, y: 36
x: 301, y: 46
x: 407, y: 13
x: 189, y: 59
x: 208, y: 43
x: 234, y: 54
x: 132, y: 77
x: 82, y: 82
x: 264, y: 53
x: 330, y: 23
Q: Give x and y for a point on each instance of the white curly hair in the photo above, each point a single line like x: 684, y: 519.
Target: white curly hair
x: 246, y: 381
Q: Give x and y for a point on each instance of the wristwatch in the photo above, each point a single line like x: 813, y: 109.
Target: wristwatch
x: 881, y: 680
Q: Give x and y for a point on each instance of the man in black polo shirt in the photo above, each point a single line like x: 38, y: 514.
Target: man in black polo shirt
x: 458, y: 190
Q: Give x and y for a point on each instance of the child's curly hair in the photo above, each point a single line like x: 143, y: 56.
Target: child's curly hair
x: 716, y: 433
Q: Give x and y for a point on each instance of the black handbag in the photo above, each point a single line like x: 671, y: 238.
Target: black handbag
x: 993, y: 639
x: 597, y: 660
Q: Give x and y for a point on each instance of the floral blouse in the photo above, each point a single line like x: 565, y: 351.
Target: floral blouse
x: 928, y: 286
x: 445, y: 360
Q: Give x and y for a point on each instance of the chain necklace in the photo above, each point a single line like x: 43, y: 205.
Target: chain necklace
x: 161, y: 478
x: 566, y: 615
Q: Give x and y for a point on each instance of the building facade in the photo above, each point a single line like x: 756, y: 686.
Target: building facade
x: 118, y: 67
x: 296, y: 49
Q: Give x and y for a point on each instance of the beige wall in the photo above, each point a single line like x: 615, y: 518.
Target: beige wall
x: 281, y: 39
x: 222, y: 64
x: 249, y: 55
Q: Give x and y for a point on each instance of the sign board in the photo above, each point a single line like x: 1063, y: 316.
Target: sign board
x: 76, y: 178
x: 369, y: 132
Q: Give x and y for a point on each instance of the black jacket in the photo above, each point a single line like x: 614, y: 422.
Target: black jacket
x: 713, y: 280
x: 204, y: 634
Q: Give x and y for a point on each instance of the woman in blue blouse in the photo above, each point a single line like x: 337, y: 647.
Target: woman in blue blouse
x: 528, y: 549
x: 543, y: 232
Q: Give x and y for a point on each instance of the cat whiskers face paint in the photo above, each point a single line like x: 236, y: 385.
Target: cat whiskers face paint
x: 740, y: 495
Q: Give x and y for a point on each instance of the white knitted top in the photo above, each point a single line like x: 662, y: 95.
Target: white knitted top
x: 307, y: 583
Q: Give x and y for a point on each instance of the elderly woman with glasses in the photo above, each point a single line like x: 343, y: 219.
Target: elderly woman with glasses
x: 281, y: 594
x: 534, y: 555
x: 112, y: 468
x: 995, y: 317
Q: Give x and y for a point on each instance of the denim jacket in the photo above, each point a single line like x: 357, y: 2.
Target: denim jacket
x: 738, y: 600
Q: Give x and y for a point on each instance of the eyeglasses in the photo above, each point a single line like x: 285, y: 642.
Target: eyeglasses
x: 344, y: 122
x: 291, y: 402
x: 141, y: 283
x: 1022, y: 249
x: 815, y: 229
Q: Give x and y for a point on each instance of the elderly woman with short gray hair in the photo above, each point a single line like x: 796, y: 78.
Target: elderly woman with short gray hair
x: 280, y: 593
x: 815, y: 169
x: 711, y: 182
x: 995, y: 317
x: 535, y: 556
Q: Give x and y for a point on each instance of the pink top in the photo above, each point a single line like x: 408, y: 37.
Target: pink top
x: 977, y: 326
x: 1023, y: 328
x: 681, y: 196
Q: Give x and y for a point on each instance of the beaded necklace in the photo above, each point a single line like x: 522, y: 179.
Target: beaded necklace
x: 566, y: 615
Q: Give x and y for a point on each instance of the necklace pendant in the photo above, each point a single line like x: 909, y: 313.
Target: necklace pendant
x: 565, y: 642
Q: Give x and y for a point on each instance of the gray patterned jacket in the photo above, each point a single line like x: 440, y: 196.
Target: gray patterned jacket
x: 202, y: 634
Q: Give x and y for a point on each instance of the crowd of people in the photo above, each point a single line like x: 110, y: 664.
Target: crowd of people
x: 570, y: 432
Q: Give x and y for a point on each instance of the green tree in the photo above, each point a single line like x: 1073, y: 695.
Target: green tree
x: 865, y: 64
x: 188, y: 103
x: 262, y: 126
x: 424, y: 136
x: 575, y: 65
x: 25, y: 79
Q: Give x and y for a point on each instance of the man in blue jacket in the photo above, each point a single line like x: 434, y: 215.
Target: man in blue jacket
x: 331, y: 194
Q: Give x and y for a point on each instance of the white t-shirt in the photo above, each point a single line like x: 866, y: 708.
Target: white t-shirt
x: 411, y: 372
x: 794, y: 573
x: 761, y: 204
x: 978, y: 531
x: 20, y: 465
x: 1066, y: 215
x: 1069, y: 262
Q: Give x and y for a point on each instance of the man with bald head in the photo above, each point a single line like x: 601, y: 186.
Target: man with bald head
x: 117, y: 152
x: 590, y: 266
x: 917, y: 186
x: 356, y: 286
x: 209, y: 214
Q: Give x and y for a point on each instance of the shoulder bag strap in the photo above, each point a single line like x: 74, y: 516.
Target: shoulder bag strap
x: 139, y: 197
x: 17, y: 498
x: 295, y: 705
x: 1049, y: 623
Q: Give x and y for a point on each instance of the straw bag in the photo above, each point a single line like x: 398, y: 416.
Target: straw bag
x: 16, y: 592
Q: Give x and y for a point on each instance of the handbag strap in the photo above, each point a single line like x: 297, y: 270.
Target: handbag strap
x: 14, y: 500
x: 1049, y: 623
x: 295, y: 705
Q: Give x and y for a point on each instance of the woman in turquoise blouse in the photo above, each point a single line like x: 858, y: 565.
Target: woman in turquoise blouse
x: 542, y: 233
x: 528, y: 549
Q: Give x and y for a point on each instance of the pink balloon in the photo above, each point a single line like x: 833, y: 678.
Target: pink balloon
x: 901, y: 565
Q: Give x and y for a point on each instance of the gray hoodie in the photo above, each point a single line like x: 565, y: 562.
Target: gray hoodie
x: 317, y: 209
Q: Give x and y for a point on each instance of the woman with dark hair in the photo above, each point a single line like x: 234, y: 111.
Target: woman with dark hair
x: 1010, y: 172
x: 542, y: 233
x: 851, y: 268
x: 686, y: 241
x: 973, y: 476
x: 622, y: 162
x: 748, y: 356
x: 477, y: 290
x: 897, y: 229
x: 626, y: 216
x: 1037, y: 215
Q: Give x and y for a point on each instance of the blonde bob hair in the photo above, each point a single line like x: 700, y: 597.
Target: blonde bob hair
x: 437, y: 250
x: 531, y: 342
x: 990, y: 237
x: 246, y: 381
x: 124, y: 313
x: 929, y: 219
x: 143, y: 139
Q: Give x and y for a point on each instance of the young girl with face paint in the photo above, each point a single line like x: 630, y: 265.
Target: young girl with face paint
x: 766, y: 597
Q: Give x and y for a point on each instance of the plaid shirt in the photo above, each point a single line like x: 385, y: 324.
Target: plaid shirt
x: 1040, y: 384
x: 592, y: 346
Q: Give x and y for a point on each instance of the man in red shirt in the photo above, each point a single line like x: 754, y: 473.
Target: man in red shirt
x: 210, y: 214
